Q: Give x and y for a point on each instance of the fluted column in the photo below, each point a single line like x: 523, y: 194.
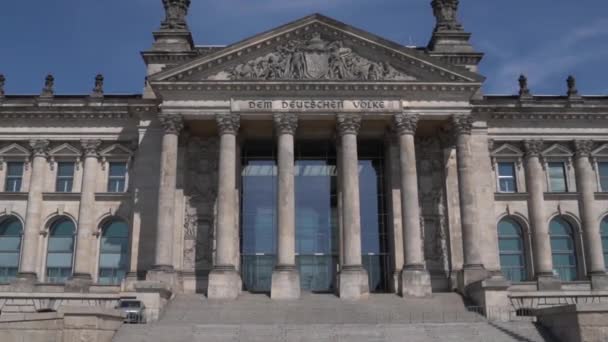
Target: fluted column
x: 415, y: 278
x: 83, y: 262
x: 353, y: 279
x: 31, y: 232
x: 224, y: 280
x: 163, y: 270
x: 541, y: 242
x: 473, y: 269
x: 587, y: 186
x: 285, y: 277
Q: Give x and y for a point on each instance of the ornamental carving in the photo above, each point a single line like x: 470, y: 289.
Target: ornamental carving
x: 285, y: 123
x: 49, y: 84
x: 90, y: 147
x: 583, y: 148
x: 173, y: 124
x: 533, y: 148
x: 405, y: 124
x: 463, y: 124
x: 98, y: 88
x: 2, y: 81
x: 175, y: 14
x: 39, y: 147
x: 313, y: 59
x: 348, y: 124
x: 445, y: 12
x: 228, y: 123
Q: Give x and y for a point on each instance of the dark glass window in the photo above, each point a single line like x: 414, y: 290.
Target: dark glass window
x: 563, y: 249
x: 65, y: 177
x: 557, y: 177
x: 117, y: 177
x: 60, y: 251
x: 14, y: 176
x: 603, y: 173
x: 114, y: 252
x: 511, y: 248
x: 11, y: 231
x: 506, y: 177
x: 604, y: 232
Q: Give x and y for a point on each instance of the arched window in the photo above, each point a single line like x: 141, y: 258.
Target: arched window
x: 604, y: 232
x: 60, y: 250
x: 563, y: 249
x: 11, y: 231
x: 511, y: 249
x: 114, y: 252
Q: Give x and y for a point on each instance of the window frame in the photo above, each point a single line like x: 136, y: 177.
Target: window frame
x: 508, y: 153
x: 73, y: 177
x: 566, y: 166
x: 21, y: 178
x: 50, y: 226
x: 602, y: 237
x: 102, y: 227
x: 515, y: 177
x: 4, y: 219
x: 577, y: 246
x: 109, y: 178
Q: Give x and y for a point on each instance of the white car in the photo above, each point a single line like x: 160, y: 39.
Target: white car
x: 134, y: 310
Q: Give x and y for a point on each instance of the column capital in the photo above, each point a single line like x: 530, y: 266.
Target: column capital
x: 285, y: 123
x: 405, y: 123
x: 463, y: 124
x: 349, y: 123
x: 39, y: 147
x: 533, y: 148
x: 173, y: 124
x: 90, y: 147
x: 228, y: 123
x: 583, y: 148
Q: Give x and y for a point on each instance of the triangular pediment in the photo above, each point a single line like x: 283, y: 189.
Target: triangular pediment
x: 65, y: 150
x: 14, y: 150
x: 317, y: 48
x: 557, y: 150
x: 601, y: 151
x: 507, y: 150
x: 116, y: 150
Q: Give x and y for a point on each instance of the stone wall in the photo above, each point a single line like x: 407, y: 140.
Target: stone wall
x: 577, y: 322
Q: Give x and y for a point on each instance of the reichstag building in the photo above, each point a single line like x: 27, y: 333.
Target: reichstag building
x: 314, y: 157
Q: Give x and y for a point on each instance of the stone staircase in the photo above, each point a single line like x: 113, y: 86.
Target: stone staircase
x: 326, y: 318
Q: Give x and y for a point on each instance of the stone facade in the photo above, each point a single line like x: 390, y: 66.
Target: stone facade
x: 315, y: 80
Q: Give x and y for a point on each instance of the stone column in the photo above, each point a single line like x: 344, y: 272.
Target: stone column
x: 353, y: 279
x: 285, y: 277
x: 224, y: 280
x: 587, y: 186
x: 31, y: 232
x: 541, y: 242
x: 473, y: 269
x: 415, y: 278
x: 82, y: 278
x: 163, y: 270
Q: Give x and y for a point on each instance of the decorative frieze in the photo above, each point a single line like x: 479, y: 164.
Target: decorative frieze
x: 173, y: 124
x: 349, y: 123
x: 405, y: 123
x: 228, y: 123
x: 285, y: 123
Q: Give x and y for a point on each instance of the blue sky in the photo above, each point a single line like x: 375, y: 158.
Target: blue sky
x: 76, y: 39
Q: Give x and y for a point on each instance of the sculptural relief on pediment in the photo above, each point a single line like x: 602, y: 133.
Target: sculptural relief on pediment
x: 313, y: 59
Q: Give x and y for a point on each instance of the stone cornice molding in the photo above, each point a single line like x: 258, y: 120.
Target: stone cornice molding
x: 285, y: 123
x: 583, y: 148
x: 90, y: 148
x: 172, y: 124
x: 533, y: 148
x: 228, y: 123
x: 405, y: 123
x: 463, y: 124
x: 349, y: 123
x: 40, y: 148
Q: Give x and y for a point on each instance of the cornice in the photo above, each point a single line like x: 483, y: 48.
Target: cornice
x: 81, y: 110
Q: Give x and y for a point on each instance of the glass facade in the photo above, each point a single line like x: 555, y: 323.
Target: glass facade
x: 114, y: 252
x: 65, y: 177
x: 511, y: 249
x: 317, y: 235
x: 60, y: 251
x: 563, y: 249
x: 11, y: 232
x: 14, y: 176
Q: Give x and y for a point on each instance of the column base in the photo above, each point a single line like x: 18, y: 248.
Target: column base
x: 548, y: 282
x: 224, y: 283
x: 469, y: 275
x: 285, y: 283
x: 80, y: 282
x: 354, y: 283
x: 599, y: 281
x: 24, y: 282
x: 415, y: 282
x: 164, y: 274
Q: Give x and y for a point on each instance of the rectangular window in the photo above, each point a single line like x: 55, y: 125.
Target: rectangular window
x: 557, y: 177
x: 14, y: 176
x: 506, y: 177
x: 65, y: 177
x: 117, y: 179
x: 603, y: 171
